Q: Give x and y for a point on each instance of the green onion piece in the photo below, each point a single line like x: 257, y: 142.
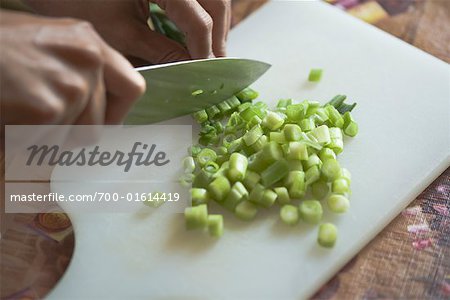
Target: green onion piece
x: 260, y: 143
x: 338, y: 203
x: 238, y: 167
x: 350, y: 126
x: 320, y: 116
x: 222, y: 150
x: 295, y: 165
x: 218, y: 126
x: 246, y: 211
x: 292, y: 132
x: 188, y: 164
x: 297, y: 151
x: 157, y: 199
x: 215, y: 225
x: 251, y: 179
x: 200, y: 116
x: 211, y: 167
x: 307, y: 124
x: 346, y: 108
x: 219, y: 188
x: 295, y: 181
x: 331, y: 170
x: 322, y: 134
x: 212, y: 111
x: 199, y: 196
x: 194, y: 150
x: 247, y: 95
x: 235, y: 123
x: 233, y: 102
x: 187, y: 179
x: 254, y: 121
x: 315, y: 75
x: 223, y: 170
x: 289, y: 214
x: 326, y: 153
x: 313, y: 160
x: 268, y: 198
x: 251, y: 136
x: 244, y: 106
x: 237, y: 194
x: 311, y: 211
x: 296, y: 112
x: 256, y: 162
x: 335, y: 117
x: 327, y: 235
x: 345, y: 174
x: 274, y: 173
x: 313, y: 106
x: 256, y: 194
x: 277, y: 137
x: 197, y: 92
x: 271, y: 152
x: 282, y: 195
x: 312, y: 175
x: 196, y: 217
x: 273, y: 120
x: 337, y: 141
x: 340, y: 186
x: 202, y: 179
x: 235, y: 145
x: 320, y: 189
x: 337, y: 101
x: 224, y: 107
x: 283, y: 103
x: 205, y: 156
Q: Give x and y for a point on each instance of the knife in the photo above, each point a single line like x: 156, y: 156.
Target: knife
x: 181, y: 88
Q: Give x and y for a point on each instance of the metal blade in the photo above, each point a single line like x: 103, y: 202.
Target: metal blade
x: 170, y: 86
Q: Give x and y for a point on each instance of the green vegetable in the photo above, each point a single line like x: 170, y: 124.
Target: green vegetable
x: 311, y: 211
x: 282, y: 195
x: 197, y: 92
x: 238, y: 167
x: 327, y: 235
x: 274, y: 173
x: 196, y: 217
x: 247, y: 95
x: 315, y: 75
x: 289, y: 214
x: 219, y: 188
x: 246, y: 211
x: 199, y: 196
x: 215, y: 225
x: 338, y: 203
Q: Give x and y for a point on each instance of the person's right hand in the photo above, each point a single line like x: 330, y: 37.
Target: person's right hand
x: 59, y: 71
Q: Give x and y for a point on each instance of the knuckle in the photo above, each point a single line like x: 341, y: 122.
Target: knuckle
x: 74, y: 89
x: 205, y: 24
x: 49, y: 112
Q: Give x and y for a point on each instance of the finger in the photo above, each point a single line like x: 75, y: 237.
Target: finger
x: 194, y: 21
x: 156, y: 48
x: 219, y: 10
x: 94, y: 112
x: 123, y: 85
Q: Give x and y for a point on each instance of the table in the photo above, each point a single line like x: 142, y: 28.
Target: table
x: 410, y: 258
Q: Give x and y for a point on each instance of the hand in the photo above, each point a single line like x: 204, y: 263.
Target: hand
x: 59, y: 71
x: 123, y: 24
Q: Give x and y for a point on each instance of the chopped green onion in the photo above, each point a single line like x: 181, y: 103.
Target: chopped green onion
x: 337, y: 142
x: 310, y: 211
x: 295, y: 181
x: 187, y: 179
x: 326, y: 153
x: 256, y: 162
x: 331, y: 170
x: 272, y: 152
x: 340, y: 186
x: 199, y: 196
x: 197, y: 92
x: 219, y: 188
x: 350, y: 126
x: 246, y: 211
x: 233, y: 102
x: 307, y: 124
x: 337, y: 101
x: 212, y: 111
x: 205, y: 156
x: 251, y: 179
x: 338, y: 203
x: 296, y: 112
x: 252, y: 135
x: 237, y: 194
x: 273, y: 120
x: 320, y: 189
x: 335, y: 117
x: 277, y: 137
x: 155, y: 200
x: 256, y: 194
x: 268, y: 198
x: 313, y: 160
x: 238, y: 167
x: 292, y: 132
x: 327, y: 235
x: 224, y: 107
x: 322, y: 134
x: 312, y: 175
x: 188, y: 164
x: 283, y: 103
x: 289, y: 214
x: 254, y: 121
x: 346, y: 175
x: 244, y: 106
x: 200, y: 116
x: 196, y: 217
x: 194, y: 150
x: 295, y: 165
x: 297, y: 151
x: 211, y: 167
x: 202, y: 179
x: 215, y: 225
x: 282, y: 195
x: 247, y: 95
x: 315, y: 75
x: 274, y: 173
x: 260, y: 143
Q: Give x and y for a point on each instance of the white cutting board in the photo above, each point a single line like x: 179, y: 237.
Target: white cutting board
x: 403, y: 111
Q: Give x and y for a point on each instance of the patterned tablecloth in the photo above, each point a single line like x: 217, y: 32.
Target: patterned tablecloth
x: 409, y: 259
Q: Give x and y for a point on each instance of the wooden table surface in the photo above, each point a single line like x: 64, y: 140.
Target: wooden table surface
x: 398, y: 263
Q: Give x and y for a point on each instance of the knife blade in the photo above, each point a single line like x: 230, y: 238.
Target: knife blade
x: 181, y: 88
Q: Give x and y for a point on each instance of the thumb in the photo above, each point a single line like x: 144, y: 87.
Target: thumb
x: 156, y: 48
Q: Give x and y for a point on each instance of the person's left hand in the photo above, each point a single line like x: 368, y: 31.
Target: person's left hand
x: 123, y: 24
